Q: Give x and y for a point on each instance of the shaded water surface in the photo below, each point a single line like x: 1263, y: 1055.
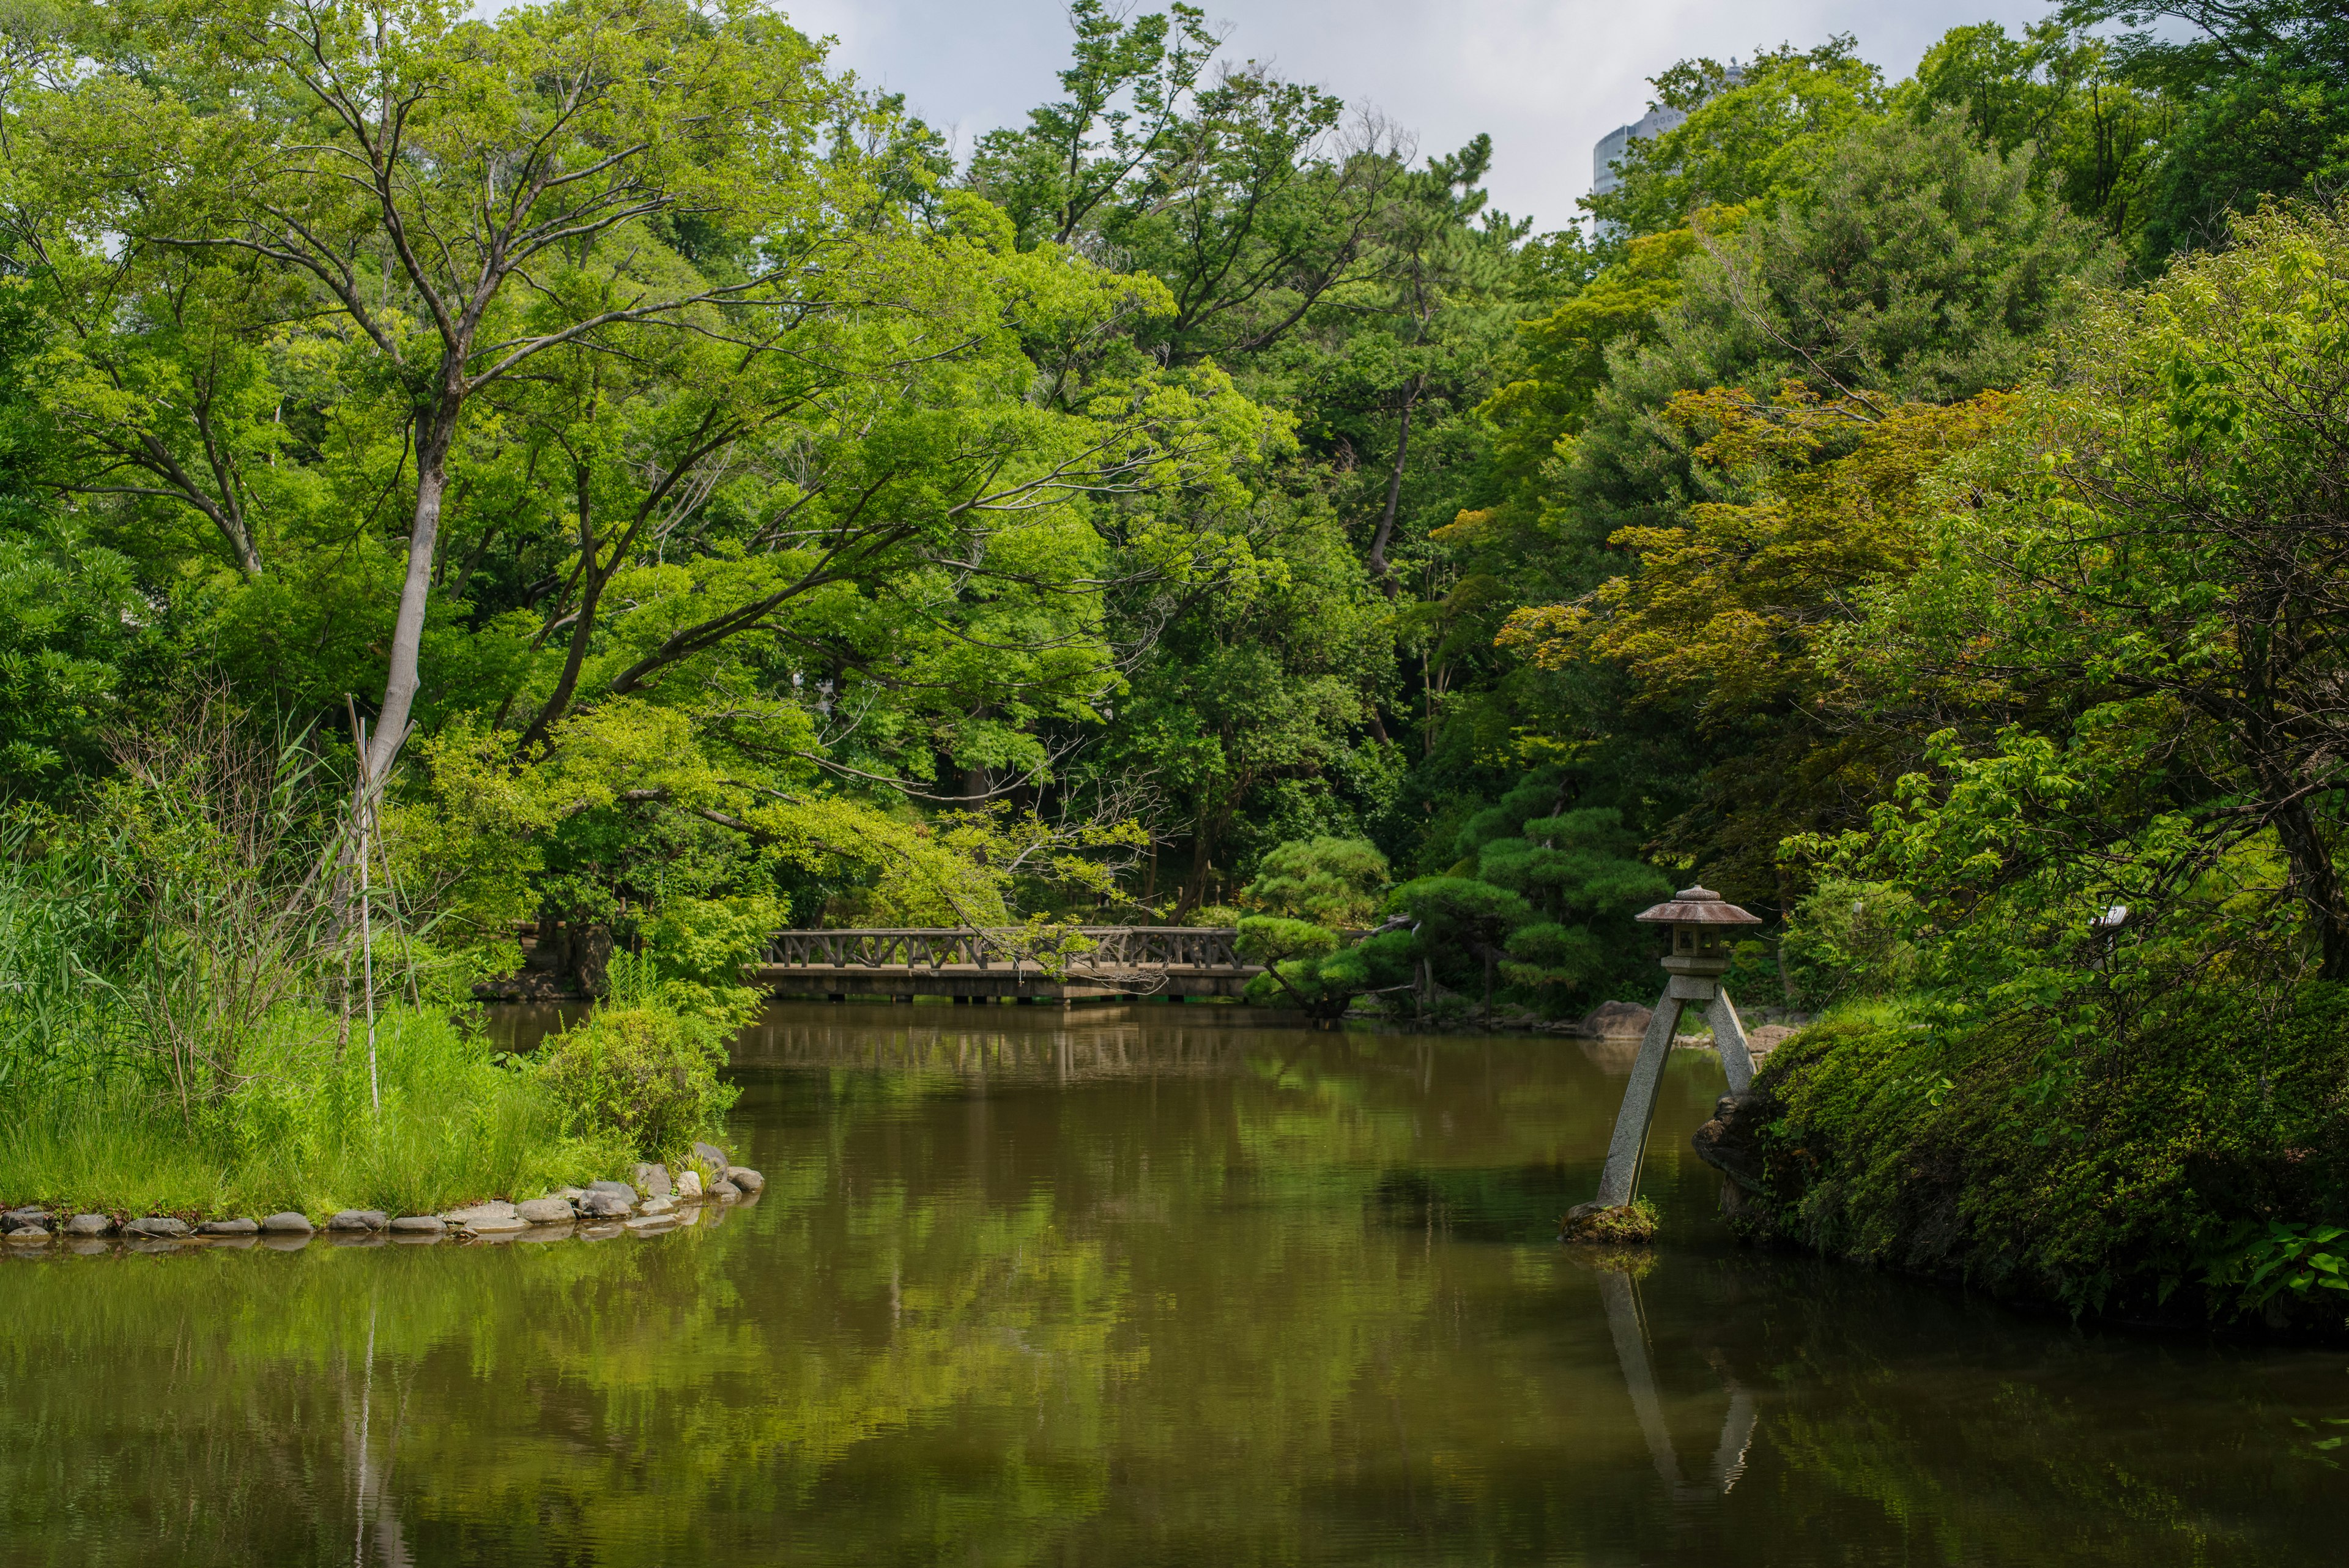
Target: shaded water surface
x: 1157, y: 1285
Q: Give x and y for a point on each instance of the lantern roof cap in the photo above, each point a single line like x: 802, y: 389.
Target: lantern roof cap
x: 1699, y: 907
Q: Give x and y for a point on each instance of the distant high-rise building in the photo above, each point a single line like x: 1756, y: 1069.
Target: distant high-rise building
x: 1648, y: 127
x: 1609, y: 150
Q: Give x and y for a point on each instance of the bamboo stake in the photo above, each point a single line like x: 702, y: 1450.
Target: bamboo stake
x: 398, y: 919
x: 366, y: 926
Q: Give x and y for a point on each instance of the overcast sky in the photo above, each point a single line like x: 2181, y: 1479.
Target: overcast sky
x: 1546, y: 77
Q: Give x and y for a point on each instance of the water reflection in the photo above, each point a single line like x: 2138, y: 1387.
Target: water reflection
x: 1626, y: 1323
x: 1160, y: 1285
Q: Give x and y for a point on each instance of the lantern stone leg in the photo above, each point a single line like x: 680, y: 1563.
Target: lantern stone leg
x: 1622, y: 1176
x: 1729, y: 1036
x: 1699, y: 957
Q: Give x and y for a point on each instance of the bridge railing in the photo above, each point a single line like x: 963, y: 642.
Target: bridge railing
x: 1121, y: 948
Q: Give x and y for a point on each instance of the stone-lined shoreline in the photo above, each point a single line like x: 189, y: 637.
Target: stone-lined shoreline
x: 658, y: 1199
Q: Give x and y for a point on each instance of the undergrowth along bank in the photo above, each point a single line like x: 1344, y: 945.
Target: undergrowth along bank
x: 459, y: 1122
x: 2184, y: 1175
x: 195, y: 1020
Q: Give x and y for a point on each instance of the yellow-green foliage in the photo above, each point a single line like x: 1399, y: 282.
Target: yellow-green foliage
x: 645, y: 1075
x: 1328, y: 880
x: 475, y: 843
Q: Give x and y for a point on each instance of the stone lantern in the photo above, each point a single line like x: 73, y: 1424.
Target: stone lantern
x: 1700, y: 924
x: 1697, y: 955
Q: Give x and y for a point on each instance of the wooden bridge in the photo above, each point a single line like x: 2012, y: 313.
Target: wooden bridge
x: 1108, y: 963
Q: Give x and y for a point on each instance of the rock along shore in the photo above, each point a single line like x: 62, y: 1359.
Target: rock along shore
x: 656, y: 1198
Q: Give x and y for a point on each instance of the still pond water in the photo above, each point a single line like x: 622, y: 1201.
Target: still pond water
x: 1152, y: 1286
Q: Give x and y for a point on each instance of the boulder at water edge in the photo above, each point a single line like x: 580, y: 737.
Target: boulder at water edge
x: 1615, y: 1019
x: 162, y: 1227
x: 88, y: 1225
x: 749, y: 1180
x: 651, y: 1180
x: 419, y: 1225
x: 228, y: 1227
x: 605, y: 1206
x: 357, y: 1220
x: 545, y: 1211
x: 710, y: 1155
x: 1730, y: 1141
x: 287, y: 1224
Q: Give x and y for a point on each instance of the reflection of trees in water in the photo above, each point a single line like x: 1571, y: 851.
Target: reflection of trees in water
x: 1956, y: 1425
x: 376, y: 1514
x: 1231, y: 1315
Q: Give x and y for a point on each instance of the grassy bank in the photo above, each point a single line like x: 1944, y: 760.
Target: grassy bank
x: 2193, y: 1169
x: 301, y: 1131
x: 185, y: 969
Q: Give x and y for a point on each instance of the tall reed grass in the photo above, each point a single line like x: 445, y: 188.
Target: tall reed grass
x: 179, y: 1031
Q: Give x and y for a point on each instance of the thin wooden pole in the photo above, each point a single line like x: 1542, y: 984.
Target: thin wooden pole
x: 399, y: 922
x: 366, y: 924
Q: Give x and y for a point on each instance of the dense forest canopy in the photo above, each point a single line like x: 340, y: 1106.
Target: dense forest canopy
x: 713, y: 497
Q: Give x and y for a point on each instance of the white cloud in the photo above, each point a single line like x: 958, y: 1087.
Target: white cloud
x: 1546, y: 77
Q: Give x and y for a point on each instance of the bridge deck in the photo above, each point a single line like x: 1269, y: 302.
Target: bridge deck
x: 1112, y: 963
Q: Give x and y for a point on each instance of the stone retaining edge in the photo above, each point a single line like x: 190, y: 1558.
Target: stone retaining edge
x: 659, y: 1200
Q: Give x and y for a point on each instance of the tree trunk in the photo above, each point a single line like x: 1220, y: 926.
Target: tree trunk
x: 400, y: 682
x: 591, y: 590
x: 1377, y: 561
x: 591, y: 960
x: 2319, y: 886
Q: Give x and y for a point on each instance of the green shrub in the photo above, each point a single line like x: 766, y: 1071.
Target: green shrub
x: 1853, y: 938
x: 1329, y: 881
x: 709, y: 940
x: 2197, y: 1153
x: 646, y: 1074
x: 1308, y: 966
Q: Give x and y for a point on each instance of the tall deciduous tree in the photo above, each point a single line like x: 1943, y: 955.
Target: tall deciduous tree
x: 2158, y: 547
x: 622, y: 292
x: 461, y: 197
x: 2261, y: 91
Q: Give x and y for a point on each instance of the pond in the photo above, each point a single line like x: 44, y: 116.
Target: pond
x: 1152, y: 1285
